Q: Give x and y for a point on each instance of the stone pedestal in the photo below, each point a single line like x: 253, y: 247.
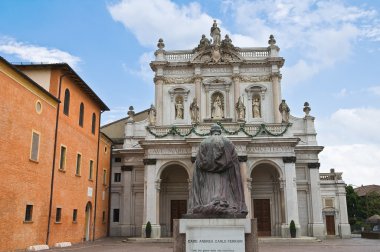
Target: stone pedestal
x: 233, y: 235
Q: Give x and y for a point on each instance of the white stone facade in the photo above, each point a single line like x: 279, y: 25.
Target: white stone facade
x: 278, y: 156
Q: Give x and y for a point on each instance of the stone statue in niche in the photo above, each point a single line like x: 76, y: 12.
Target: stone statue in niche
x: 240, y: 110
x: 215, y: 34
x: 179, y: 108
x: 256, y: 107
x: 152, y: 115
x: 284, y: 110
x: 217, y: 188
x: 217, y: 111
x: 194, y: 111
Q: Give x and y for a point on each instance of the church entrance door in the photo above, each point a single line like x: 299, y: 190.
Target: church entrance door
x: 177, y: 208
x: 261, y: 210
x: 330, y: 224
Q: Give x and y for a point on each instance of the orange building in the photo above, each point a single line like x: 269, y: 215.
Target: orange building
x: 55, y: 184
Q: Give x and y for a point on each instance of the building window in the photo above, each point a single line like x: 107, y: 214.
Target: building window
x: 62, y: 161
x: 81, y: 114
x: 79, y: 161
x: 115, y: 215
x: 29, y: 213
x: 117, y: 177
x: 91, y: 169
x: 93, y: 127
x: 34, y: 149
x: 58, y: 214
x: 38, y: 107
x: 75, y: 215
x: 104, y: 177
x: 104, y: 217
x: 117, y: 160
x: 66, y: 104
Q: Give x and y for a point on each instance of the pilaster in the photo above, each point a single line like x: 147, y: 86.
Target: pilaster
x: 246, y: 180
x: 276, y: 89
x: 291, y: 200
x: 317, y: 225
x: 152, y: 198
x: 236, y: 82
x: 159, y: 80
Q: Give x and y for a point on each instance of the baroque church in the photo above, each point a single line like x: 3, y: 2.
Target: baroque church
x: 240, y: 90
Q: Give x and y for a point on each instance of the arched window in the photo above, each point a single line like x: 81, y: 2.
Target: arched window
x: 93, y: 123
x: 81, y: 114
x: 66, y: 105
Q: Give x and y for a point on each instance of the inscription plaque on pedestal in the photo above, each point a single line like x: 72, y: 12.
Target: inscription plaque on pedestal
x: 215, y: 239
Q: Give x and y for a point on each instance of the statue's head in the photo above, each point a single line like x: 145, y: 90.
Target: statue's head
x: 216, y: 130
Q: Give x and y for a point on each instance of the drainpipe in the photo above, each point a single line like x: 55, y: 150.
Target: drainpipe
x: 96, y: 179
x: 54, y: 157
x: 109, y: 194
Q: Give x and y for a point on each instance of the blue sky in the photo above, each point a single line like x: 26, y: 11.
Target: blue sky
x: 331, y: 51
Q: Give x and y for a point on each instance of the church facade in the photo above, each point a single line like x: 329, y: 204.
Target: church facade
x: 239, y: 89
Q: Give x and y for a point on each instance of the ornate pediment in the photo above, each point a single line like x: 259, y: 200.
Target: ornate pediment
x: 216, y: 50
x: 216, y: 54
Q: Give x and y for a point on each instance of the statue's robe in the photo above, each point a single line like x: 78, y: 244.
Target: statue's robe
x: 217, y: 189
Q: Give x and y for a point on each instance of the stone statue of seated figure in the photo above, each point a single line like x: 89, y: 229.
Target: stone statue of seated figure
x: 217, y: 189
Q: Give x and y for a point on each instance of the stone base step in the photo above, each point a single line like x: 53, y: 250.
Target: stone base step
x: 37, y: 247
x: 62, y: 244
x: 302, y: 239
x: 140, y: 239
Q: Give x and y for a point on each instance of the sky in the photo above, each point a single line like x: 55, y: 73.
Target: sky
x: 331, y: 50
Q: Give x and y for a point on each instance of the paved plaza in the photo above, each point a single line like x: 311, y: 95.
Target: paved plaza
x: 330, y: 245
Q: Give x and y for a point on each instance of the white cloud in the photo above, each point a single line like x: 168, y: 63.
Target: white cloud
x: 181, y: 26
x: 144, y: 71
x: 35, y: 53
x: 342, y: 93
x: 350, y: 126
x: 359, y: 163
x: 374, y: 90
x: 114, y: 114
x: 352, y: 141
x: 320, y: 32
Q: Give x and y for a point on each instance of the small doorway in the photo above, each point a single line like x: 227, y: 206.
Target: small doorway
x: 177, y: 208
x: 261, y: 210
x: 330, y: 224
x: 88, y: 221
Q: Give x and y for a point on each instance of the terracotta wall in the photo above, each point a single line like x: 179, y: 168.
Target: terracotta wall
x: 71, y: 191
x: 23, y: 181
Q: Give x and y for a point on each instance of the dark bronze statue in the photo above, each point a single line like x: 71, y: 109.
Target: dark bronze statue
x: 217, y: 190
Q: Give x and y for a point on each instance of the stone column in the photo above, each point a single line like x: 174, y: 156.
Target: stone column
x: 276, y: 97
x: 247, y: 186
x: 152, y: 200
x: 344, y: 226
x: 291, y: 201
x: 236, y: 83
x: 317, y: 225
x: 126, y: 203
x: 159, y: 81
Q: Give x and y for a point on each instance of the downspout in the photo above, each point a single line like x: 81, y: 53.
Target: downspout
x: 54, y: 157
x: 96, y: 179
x: 109, y: 194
